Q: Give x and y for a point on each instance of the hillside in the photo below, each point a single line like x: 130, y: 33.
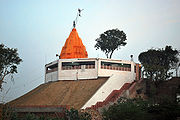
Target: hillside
x: 72, y: 93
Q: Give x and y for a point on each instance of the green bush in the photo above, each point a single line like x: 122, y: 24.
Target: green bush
x: 73, y: 114
x: 8, y: 113
x: 138, y: 109
x: 126, y: 109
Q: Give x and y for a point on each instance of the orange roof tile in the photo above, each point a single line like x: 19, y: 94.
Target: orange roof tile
x: 73, y: 47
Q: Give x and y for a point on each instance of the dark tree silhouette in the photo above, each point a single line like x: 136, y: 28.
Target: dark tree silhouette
x: 110, y: 41
x: 157, y: 63
x: 9, y: 60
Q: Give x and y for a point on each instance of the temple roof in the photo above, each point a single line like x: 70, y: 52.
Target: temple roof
x: 73, y: 47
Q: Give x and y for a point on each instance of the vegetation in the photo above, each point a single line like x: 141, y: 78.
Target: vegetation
x: 9, y: 60
x: 158, y: 63
x: 73, y: 114
x: 110, y: 40
x: 138, y: 109
x: 125, y: 109
x: 9, y: 114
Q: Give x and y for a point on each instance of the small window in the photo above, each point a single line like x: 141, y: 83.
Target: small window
x: 78, y: 65
x: 115, y: 66
x: 135, y: 69
x: 52, y: 68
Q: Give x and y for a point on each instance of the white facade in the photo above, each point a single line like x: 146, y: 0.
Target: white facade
x: 51, y: 71
x: 77, y: 69
x: 88, y: 68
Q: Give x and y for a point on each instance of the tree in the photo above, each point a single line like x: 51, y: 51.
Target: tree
x: 110, y: 41
x: 9, y: 60
x: 158, y: 63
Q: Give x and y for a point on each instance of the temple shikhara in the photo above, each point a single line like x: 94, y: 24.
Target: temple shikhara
x: 73, y: 47
x: 76, y: 81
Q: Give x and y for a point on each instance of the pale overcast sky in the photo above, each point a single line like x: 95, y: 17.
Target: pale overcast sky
x: 39, y: 28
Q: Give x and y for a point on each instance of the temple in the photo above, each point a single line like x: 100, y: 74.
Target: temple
x: 74, y: 65
x: 74, y: 80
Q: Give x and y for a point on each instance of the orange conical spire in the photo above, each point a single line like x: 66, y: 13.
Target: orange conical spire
x: 73, y: 47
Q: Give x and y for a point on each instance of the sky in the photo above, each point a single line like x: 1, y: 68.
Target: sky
x: 39, y: 29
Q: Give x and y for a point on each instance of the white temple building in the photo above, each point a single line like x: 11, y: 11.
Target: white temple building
x: 74, y: 80
x: 74, y: 65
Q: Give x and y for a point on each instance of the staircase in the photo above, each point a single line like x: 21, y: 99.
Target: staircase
x: 112, y: 98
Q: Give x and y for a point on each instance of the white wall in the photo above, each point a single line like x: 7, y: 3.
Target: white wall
x: 115, y: 82
x: 108, y: 72
x: 53, y: 76
x: 86, y: 73
x: 76, y: 73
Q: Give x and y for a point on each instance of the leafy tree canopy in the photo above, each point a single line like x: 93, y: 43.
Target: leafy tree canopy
x: 157, y: 63
x: 9, y: 60
x: 110, y: 41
